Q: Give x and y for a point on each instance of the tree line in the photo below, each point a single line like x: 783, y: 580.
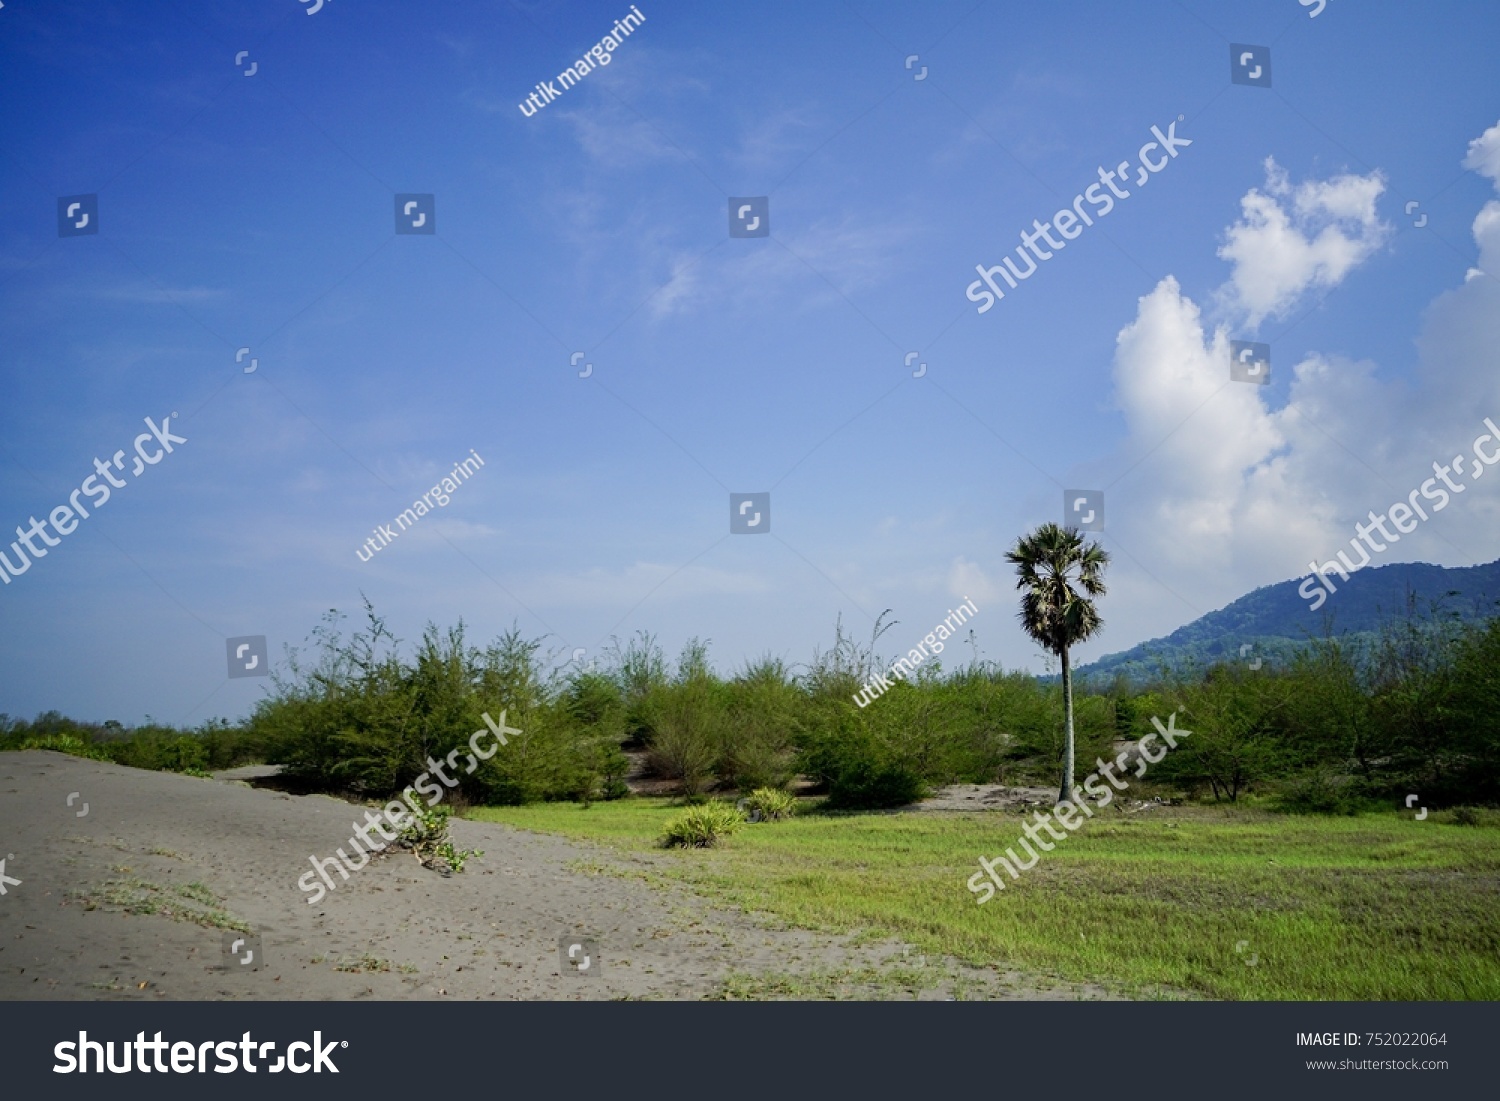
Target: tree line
x: 1333, y: 728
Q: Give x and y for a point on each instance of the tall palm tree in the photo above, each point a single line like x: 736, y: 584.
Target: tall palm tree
x: 1059, y: 575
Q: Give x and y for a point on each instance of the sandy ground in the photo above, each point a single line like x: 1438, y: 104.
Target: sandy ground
x: 981, y: 797
x: 395, y: 930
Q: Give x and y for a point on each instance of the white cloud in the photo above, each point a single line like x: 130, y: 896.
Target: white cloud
x: 968, y: 580
x: 1484, y: 154
x: 1213, y: 483
x: 1289, y: 240
x: 1216, y: 492
x: 681, y: 286
x: 615, y: 137
x: 810, y: 265
x: 1484, y: 157
x: 777, y: 141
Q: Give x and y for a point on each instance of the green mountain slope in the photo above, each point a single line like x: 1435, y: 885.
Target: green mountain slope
x: 1274, y: 621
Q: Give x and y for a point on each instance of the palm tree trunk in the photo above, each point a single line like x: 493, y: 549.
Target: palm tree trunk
x: 1067, y: 776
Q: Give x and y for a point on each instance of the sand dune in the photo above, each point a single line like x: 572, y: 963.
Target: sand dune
x: 395, y: 930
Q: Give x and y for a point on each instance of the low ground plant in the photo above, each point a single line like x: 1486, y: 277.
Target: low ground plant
x: 771, y: 804
x: 703, y: 826
x: 426, y: 835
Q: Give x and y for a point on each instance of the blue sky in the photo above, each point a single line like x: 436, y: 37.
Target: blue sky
x: 258, y: 212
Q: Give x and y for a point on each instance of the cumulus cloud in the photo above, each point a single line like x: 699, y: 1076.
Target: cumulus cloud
x: 1484, y: 154
x: 1209, y: 476
x: 1217, y: 491
x: 1292, y: 239
x: 1484, y: 157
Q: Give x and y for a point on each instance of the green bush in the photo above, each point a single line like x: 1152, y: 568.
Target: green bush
x: 686, y: 719
x: 161, y: 749
x: 216, y: 744
x: 772, y: 804
x: 757, y: 738
x: 851, y: 752
x: 703, y: 826
x: 866, y: 785
x: 426, y: 835
x: 65, y: 743
x: 1318, y: 793
x: 354, y: 716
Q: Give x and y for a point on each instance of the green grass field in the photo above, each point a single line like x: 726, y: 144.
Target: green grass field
x: 1376, y: 907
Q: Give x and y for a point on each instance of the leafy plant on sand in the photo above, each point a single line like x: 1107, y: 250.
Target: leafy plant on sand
x: 702, y: 827
x: 426, y: 835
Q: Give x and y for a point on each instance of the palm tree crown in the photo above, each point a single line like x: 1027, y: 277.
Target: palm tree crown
x: 1053, y: 611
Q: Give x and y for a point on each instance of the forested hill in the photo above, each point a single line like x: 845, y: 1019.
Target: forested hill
x: 1274, y: 620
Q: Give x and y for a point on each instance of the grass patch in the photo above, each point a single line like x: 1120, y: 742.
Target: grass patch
x: 190, y: 902
x: 843, y: 984
x: 702, y: 827
x: 1372, y: 907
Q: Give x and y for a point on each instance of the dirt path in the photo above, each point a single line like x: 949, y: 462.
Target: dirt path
x: 152, y: 842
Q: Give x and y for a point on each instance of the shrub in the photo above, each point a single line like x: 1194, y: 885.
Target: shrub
x: 683, y: 717
x: 771, y: 804
x: 66, y: 743
x: 161, y: 749
x: 216, y: 744
x: 702, y: 827
x: 764, y: 710
x: 426, y: 835
x: 1318, y: 793
x: 1465, y: 816
x: 867, y: 785
x: 861, y: 771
